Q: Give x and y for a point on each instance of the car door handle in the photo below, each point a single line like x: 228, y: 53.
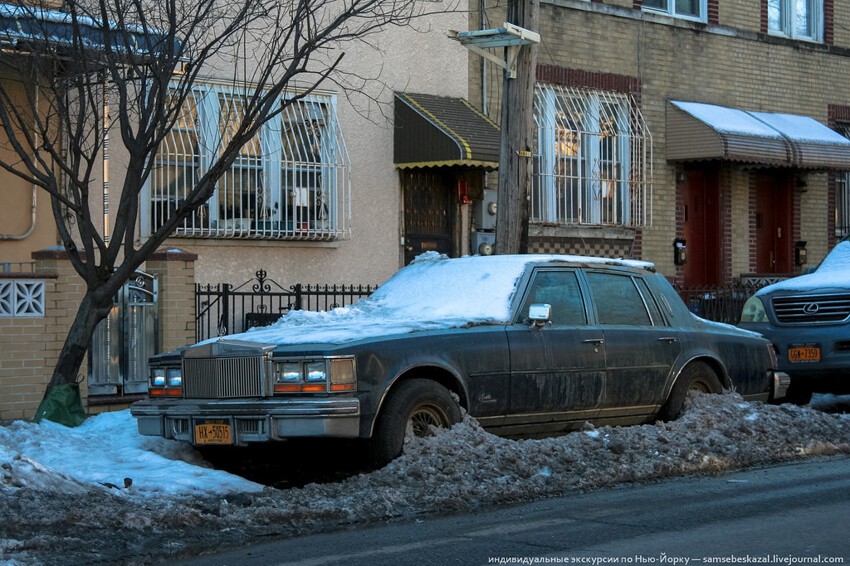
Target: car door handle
x: 668, y: 339
x: 596, y: 341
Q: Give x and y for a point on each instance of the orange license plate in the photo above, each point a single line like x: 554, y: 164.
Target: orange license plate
x: 805, y: 353
x: 213, y: 433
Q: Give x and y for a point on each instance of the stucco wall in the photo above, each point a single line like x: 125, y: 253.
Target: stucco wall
x: 418, y: 59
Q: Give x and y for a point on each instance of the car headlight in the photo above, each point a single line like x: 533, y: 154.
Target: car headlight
x: 331, y: 374
x: 753, y: 311
x: 173, y: 377
x: 317, y: 371
x: 289, y: 371
x: 158, y: 378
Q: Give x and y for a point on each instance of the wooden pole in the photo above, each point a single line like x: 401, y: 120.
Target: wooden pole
x: 515, y: 163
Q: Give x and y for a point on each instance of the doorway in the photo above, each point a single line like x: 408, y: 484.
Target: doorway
x: 428, y: 213
x: 701, y: 227
x: 773, y: 222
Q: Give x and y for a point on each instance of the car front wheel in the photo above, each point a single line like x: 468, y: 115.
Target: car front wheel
x: 695, y: 377
x: 413, y: 407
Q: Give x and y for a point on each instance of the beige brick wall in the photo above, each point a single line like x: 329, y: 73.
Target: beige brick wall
x: 175, y: 273
x: 30, y: 346
x: 729, y: 65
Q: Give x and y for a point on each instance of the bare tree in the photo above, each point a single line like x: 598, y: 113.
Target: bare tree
x: 129, y: 66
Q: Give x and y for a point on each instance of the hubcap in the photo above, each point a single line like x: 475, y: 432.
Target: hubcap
x: 424, y: 417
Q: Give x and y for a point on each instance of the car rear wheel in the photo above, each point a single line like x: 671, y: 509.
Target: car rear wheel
x: 413, y: 407
x: 695, y: 377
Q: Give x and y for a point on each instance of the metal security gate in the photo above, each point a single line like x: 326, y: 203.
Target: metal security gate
x: 125, y: 339
x: 227, y: 309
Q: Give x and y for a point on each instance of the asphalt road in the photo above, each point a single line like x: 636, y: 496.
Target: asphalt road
x: 797, y: 513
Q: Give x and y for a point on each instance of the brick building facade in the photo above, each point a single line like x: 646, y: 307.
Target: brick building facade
x: 736, y: 215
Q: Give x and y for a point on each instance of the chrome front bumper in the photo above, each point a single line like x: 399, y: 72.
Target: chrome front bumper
x: 254, y: 420
x: 779, y: 385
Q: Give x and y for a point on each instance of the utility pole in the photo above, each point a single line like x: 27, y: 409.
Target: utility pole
x: 519, y: 40
x: 515, y: 162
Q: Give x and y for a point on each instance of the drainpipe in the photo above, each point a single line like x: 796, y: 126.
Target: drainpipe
x: 33, y: 206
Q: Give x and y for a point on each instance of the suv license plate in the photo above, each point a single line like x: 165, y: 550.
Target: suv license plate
x: 804, y: 353
x: 213, y: 433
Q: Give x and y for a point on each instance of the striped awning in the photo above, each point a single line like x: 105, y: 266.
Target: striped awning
x: 441, y: 131
x: 700, y: 132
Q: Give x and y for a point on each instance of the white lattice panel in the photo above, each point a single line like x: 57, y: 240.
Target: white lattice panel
x: 21, y: 298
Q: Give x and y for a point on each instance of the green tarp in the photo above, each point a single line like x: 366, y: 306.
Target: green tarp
x: 62, y: 404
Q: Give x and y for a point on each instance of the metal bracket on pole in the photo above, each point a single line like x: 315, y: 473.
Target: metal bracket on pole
x: 509, y: 36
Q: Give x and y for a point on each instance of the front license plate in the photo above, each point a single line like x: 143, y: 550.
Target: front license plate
x: 213, y: 433
x: 804, y: 353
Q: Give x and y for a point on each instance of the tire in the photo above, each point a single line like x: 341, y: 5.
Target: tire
x: 417, y: 404
x: 697, y: 376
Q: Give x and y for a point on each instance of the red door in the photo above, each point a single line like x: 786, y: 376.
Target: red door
x: 773, y: 223
x: 701, y: 228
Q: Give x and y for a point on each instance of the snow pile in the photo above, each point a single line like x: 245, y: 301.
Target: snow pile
x: 55, y: 509
x: 107, y: 451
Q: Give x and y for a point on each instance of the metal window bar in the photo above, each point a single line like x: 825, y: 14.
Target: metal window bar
x: 593, y: 159
x: 290, y: 181
x: 842, y: 193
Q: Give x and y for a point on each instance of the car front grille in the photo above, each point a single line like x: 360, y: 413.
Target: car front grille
x: 812, y: 309
x: 224, y: 378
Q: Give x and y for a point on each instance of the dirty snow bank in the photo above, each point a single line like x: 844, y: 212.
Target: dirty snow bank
x: 457, y: 470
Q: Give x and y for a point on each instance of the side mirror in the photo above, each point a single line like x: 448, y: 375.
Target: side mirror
x: 539, y: 314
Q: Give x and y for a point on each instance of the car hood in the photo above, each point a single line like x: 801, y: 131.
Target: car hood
x: 831, y: 276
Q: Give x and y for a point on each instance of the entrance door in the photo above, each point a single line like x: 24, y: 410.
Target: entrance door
x: 428, y: 210
x: 773, y: 223
x: 702, y: 228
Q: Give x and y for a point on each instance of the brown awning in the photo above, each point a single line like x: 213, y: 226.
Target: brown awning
x: 699, y: 132
x: 440, y: 131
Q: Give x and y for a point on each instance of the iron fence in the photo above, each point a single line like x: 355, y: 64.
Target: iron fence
x: 721, y: 303
x: 226, y: 309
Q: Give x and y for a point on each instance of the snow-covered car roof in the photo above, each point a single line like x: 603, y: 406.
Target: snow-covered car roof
x: 833, y: 272
x: 431, y: 293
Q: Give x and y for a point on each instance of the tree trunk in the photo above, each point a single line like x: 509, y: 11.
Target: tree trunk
x: 57, y: 405
x: 517, y: 131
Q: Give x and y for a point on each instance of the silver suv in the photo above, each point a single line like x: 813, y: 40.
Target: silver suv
x: 808, y: 320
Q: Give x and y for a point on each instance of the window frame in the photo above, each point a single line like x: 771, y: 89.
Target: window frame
x: 581, y: 175
x: 275, y: 189
x: 670, y: 10
x: 786, y: 27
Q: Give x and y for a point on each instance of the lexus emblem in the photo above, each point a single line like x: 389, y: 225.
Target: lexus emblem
x: 811, y: 308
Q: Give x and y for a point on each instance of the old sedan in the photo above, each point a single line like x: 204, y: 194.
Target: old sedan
x: 528, y: 345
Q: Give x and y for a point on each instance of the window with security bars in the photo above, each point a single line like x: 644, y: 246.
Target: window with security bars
x: 289, y: 182
x: 593, y: 162
x: 842, y: 193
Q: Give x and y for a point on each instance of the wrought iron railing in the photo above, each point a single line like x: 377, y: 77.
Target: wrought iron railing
x: 722, y: 303
x: 223, y: 309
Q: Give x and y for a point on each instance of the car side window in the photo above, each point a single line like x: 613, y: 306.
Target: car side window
x: 560, y: 289
x: 654, y: 310
x: 618, y: 300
